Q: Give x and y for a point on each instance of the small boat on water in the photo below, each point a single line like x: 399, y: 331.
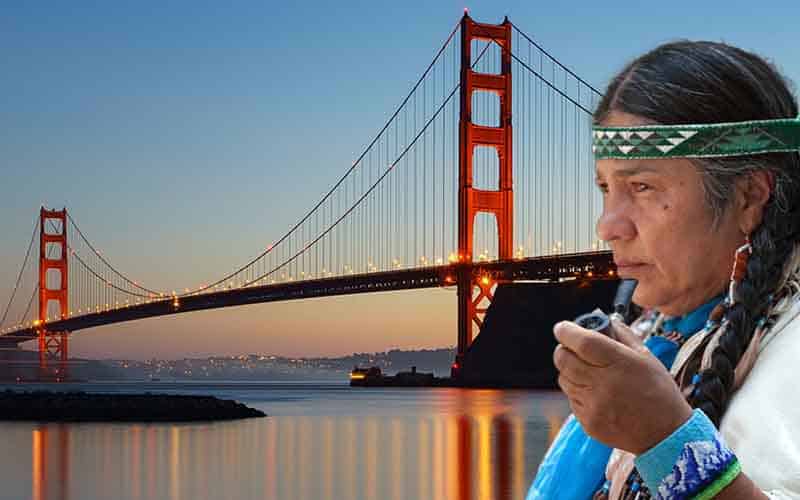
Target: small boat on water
x: 362, y: 377
x: 373, y: 377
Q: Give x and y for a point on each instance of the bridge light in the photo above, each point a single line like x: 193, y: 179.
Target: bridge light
x: 611, y: 272
x: 589, y: 274
x: 36, y: 322
x: 453, y: 257
x: 485, y: 280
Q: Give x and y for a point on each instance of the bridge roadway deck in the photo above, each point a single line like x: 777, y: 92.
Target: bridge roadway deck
x: 591, y: 264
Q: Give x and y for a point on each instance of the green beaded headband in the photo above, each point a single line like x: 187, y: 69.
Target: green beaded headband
x: 697, y: 141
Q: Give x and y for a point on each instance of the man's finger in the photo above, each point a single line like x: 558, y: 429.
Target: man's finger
x: 570, y: 388
x: 574, y: 368
x: 624, y: 334
x: 592, y: 347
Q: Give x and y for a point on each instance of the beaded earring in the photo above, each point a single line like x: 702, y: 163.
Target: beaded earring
x: 741, y: 256
x: 740, y: 259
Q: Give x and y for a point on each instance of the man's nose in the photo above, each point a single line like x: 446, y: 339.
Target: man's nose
x: 615, y: 223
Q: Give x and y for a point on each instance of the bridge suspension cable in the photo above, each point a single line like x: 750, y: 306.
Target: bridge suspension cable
x: 28, y: 308
x: 109, y: 265
x: 19, y: 276
x: 371, y: 188
x: 556, y: 61
x: 364, y: 154
x: 553, y: 161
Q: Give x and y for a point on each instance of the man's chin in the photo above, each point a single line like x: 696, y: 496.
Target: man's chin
x: 643, y: 297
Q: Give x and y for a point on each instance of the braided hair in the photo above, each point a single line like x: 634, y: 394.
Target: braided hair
x: 707, y: 82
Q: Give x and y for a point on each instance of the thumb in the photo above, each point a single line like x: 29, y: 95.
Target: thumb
x: 623, y: 334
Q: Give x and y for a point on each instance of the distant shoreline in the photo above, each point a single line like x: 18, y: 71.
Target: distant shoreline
x: 49, y: 406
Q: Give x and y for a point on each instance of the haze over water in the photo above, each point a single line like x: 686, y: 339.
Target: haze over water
x: 320, y: 441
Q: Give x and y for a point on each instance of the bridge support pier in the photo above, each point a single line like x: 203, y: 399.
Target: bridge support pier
x: 472, y: 289
x: 53, y: 355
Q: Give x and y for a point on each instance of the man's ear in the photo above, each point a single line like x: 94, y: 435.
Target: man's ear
x: 752, y: 194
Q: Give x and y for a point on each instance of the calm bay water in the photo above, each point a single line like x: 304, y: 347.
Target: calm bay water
x: 320, y: 441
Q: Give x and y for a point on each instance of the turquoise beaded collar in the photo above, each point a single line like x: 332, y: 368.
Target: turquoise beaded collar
x: 697, y: 141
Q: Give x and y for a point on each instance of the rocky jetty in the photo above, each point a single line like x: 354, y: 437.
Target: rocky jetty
x: 83, y: 407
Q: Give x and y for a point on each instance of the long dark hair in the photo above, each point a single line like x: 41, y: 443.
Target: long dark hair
x: 705, y: 82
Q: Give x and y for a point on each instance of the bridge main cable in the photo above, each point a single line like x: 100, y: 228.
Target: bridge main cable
x: 108, y: 264
x: 377, y: 182
x: 339, y: 182
x: 19, y: 276
x: 555, y: 60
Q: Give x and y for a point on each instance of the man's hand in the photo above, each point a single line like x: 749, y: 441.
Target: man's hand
x: 621, y: 394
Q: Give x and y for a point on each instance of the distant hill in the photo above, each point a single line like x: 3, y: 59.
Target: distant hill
x: 271, y: 367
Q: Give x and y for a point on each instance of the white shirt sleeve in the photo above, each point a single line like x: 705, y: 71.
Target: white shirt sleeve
x: 762, y: 423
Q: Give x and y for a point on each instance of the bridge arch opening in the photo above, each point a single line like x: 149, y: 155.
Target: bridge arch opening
x: 485, y: 108
x: 486, y: 59
x: 486, y: 168
x: 485, y: 239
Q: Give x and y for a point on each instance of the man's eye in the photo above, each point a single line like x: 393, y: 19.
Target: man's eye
x: 640, y: 187
x: 602, y: 186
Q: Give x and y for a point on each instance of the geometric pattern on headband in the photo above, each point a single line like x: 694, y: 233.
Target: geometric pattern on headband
x: 697, y: 141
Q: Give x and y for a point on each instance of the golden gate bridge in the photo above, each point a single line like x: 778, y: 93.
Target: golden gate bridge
x: 471, y: 183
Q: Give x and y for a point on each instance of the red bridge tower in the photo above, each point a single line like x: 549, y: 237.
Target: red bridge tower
x: 53, y: 345
x: 472, y: 288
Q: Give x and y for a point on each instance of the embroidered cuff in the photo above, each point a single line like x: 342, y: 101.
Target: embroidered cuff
x: 692, y: 461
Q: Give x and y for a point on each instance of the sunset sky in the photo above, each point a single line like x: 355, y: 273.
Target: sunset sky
x: 185, y: 136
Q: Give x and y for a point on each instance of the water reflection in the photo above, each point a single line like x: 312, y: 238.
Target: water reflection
x: 480, y: 447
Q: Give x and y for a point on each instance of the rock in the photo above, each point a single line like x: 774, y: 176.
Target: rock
x: 83, y: 407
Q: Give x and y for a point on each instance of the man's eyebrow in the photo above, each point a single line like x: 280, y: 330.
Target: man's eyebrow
x: 633, y: 170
